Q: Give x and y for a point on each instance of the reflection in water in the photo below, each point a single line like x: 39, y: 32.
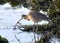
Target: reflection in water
x: 17, y: 34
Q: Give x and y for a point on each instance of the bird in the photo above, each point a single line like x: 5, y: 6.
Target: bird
x: 36, y: 17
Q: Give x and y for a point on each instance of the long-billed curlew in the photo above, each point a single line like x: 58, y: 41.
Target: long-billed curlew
x: 36, y: 17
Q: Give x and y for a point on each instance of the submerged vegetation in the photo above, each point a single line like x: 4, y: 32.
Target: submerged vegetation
x: 3, y: 40
x: 52, y: 7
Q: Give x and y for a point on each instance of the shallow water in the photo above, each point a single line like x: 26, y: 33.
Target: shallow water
x: 8, y: 17
x: 11, y: 35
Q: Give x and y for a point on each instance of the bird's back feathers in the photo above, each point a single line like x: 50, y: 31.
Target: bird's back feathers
x: 37, y: 16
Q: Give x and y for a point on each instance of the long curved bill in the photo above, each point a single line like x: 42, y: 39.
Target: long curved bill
x: 19, y: 20
x: 17, y: 23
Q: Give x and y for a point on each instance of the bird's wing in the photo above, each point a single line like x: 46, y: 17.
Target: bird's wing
x: 39, y: 16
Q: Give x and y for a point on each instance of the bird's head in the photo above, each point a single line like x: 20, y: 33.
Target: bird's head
x: 25, y: 17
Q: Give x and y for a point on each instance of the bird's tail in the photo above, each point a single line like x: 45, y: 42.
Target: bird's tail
x: 47, y: 19
x: 50, y: 22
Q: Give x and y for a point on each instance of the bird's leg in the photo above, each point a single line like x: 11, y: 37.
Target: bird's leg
x: 34, y: 32
x: 37, y: 30
x: 34, y: 27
